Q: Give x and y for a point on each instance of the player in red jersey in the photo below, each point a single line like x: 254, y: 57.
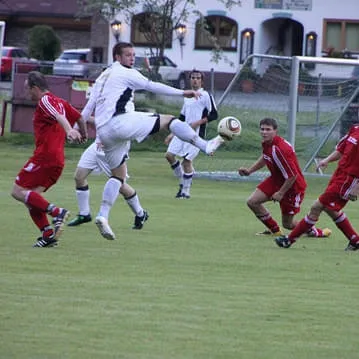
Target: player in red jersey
x: 342, y: 187
x: 285, y: 184
x: 53, y: 121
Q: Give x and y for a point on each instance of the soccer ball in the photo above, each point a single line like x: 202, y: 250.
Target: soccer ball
x: 229, y: 128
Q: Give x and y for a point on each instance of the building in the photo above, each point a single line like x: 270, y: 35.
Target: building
x: 277, y: 27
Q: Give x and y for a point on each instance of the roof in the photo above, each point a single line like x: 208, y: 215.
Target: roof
x: 68, y: 8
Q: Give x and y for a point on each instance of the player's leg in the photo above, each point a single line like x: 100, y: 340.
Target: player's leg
x: 133, y: 201
x: 256, y: 202
x: 174, y: 149
x: 30, y: 183
x: 116, y: 159
x: 82, y: 196
x: 188, y: 172
x: 186, y: 133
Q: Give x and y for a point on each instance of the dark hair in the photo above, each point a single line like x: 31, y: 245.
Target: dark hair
x: 269, y: 122
x: 117, y: 49
x: 36, y: 78
x: 194, y: 71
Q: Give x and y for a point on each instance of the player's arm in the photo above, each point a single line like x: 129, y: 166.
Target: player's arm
x: 71, y: 133
x: 334, y: 156
x: 288, y: 183
x: 260, y: 163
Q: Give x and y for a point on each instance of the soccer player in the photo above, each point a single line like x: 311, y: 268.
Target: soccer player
x: 286, y: 183
x: 53, y: 121
x: 342, y: 187
x: 117, y: 121
x: 196, y: 113
x: 93, y: 159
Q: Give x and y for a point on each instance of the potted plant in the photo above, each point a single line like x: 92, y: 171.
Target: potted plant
x: 247, y: 79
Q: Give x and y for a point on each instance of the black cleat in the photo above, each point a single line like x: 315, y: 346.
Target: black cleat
x: 59, y: 222
x: 283, y: 241
x: 140, y: 221
x: 183, y: 196
x: 46, y: 241
x: 179, y: 193
x: 352, y: 246
x: 80, y: 219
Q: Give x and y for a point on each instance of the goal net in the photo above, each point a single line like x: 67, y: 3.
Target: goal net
x: 315, y: 101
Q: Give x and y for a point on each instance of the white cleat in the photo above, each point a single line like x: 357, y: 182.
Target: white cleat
x: 213, y: 144
x: 104, y: 228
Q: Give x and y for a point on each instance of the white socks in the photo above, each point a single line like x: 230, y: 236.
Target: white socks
x: 83, y: 201
x: 109, y: 196
x: 135, y: 205
x: 186, y: 133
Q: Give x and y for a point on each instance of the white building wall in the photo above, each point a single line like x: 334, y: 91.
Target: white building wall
x: 247, y: 16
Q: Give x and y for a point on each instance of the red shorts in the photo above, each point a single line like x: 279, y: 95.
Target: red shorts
x: 291, y: 201
x: 33, y: 175
x: 335, y: 196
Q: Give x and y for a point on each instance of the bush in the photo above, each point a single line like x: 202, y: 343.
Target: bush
x: 44, y: 44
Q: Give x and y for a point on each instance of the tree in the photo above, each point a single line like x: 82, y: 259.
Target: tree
x: 160, y: 19
x: 44, y: 44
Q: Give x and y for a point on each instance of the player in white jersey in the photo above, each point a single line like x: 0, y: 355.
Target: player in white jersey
x: 117, y: 121
x: 93, y: 161
x: 196, y: 113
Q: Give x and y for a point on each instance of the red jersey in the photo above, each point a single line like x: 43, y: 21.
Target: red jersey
x: 348, y: 147
x: 282, y: 163
x: 49, y: 134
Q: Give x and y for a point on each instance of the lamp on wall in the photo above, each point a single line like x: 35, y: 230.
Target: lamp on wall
x: 116, y: 29
x: 247, y: 42
x: 310, y: 48
x: 181, y: 30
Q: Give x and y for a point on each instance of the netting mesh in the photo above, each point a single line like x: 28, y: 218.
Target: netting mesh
x: 327, y: 105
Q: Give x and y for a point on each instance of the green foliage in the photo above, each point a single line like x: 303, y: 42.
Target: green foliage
x: 44, y: 44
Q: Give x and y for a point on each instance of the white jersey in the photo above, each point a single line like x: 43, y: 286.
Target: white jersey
x: 113, y: 91
x: 195, y: 109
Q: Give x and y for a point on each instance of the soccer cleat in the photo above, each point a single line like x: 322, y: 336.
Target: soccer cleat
x: 179, y: 193
x: 80, y: 219
x: 104, y: 228
x: 352, y: 246
x: 46, y: 241
x: 213, y: 144
x: 59, y: 222
x: 183, y: 196
x: 283, y: 241
x: 140, y: 221
x: 326, y: 232
x: 267, y: 232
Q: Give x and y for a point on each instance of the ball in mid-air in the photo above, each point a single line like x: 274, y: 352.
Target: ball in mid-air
x: 229, y: 128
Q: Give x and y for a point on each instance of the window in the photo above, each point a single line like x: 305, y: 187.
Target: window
x: 341, y: 35
x: 146, y: 30
x: 214, y: 30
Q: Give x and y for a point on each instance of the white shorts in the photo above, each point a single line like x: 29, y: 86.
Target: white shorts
x: 94, y: 159
x: 183, y: 149
x: 120, y: 130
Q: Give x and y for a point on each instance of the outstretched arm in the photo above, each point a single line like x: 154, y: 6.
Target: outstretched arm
x: 243, y: 171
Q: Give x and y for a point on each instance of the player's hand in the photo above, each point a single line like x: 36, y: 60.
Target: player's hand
x: 277, y: 197
x: 322, y: 164
x: 74, y: 136
x: 191, y: 93
x: 242, y: 171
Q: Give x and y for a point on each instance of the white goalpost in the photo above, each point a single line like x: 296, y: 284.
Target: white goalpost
x: 314, y: 99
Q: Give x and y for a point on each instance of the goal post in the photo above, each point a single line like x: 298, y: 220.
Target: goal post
x: 314, y: 99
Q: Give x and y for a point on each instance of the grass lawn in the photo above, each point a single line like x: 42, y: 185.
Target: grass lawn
x: 195, y: 282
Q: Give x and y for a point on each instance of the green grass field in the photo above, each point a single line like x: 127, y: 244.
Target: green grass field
x: 194, y: 283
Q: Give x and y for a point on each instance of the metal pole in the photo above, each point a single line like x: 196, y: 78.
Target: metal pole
x: 293, y: 98
x: 319, y: 94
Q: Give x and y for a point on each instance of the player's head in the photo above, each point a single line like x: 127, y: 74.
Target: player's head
x: 36, y: 84
x: 124, y: 53
x: 268, y: 129
x: 196, y: 77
